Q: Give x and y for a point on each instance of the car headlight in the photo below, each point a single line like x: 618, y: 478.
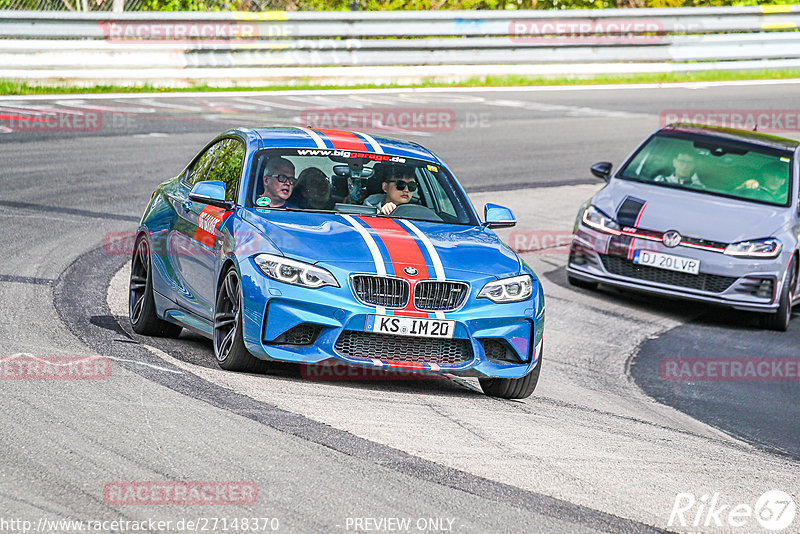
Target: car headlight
x: 511, y: 289
x: 294, y: 272
x: 594, y: 218
x: 756, y: 248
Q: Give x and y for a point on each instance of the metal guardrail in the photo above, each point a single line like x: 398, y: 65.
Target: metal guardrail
x: 191, y: 46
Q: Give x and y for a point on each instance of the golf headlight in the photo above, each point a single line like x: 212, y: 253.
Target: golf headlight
x: 757, y: 248
x: 294, y: 272
x: 594, y: 218
x: 511, y: 289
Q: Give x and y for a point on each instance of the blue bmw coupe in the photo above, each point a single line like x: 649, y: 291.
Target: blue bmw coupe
x: 319, y: 246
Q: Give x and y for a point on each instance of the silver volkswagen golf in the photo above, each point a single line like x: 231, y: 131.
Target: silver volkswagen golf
x: 697, y: 212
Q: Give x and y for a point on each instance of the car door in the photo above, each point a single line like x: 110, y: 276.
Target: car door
x: 193, y: 241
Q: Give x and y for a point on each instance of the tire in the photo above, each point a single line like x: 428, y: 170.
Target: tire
x: 512, y: 388
x: 779, y: 320
x: 583, y: 284
x: 141, y: 304
x: 229, y: 349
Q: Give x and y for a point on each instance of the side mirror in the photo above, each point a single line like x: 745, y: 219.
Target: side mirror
x: 498, y: 216
x: 602, y: 170
x: 212, y: 193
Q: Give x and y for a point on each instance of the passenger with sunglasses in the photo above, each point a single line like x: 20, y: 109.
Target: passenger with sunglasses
x: 279, y: 182
x: 398, y: 188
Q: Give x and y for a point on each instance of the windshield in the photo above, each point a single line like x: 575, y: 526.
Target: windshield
x: 357, y: 183
x: 713, y: 166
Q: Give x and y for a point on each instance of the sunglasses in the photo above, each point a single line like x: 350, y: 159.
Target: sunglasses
x: 283, y: 178
x: 402, y: 184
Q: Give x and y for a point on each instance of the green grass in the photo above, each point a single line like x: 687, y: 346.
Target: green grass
x: 10, y: 87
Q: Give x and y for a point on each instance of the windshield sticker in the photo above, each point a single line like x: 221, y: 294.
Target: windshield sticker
x: 263, y: 201
x: 785, y: 160
x: 433, y: 168
x: 349, y: 154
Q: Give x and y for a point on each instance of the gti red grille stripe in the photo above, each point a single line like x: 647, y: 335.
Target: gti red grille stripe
x: 639, y: 218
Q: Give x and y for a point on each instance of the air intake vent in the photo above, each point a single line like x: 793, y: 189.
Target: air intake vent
x: 444, y: 352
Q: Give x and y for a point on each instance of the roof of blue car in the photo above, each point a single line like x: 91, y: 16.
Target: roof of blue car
x: 733, y: 134
x: 307, y: 137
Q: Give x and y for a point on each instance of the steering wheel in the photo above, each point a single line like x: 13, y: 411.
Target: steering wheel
x: 415, y: 211
x: 759, y: 189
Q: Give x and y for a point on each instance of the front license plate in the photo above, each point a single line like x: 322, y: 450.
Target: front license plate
x: 666, y: 261
x: 409, y: 326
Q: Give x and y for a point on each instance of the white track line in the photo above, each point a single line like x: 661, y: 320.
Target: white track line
x: 523, y: 89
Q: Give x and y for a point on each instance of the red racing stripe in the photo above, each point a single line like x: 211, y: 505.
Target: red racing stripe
x: 344, y: 140
x: 404, y: 252
x: 406, y: 365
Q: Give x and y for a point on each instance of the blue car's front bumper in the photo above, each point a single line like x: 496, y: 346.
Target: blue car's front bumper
x: 331, y: 315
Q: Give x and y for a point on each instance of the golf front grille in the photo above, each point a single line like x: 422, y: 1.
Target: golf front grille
x: 404, y: 348
x: 381, y: 290
x: 702, y: 282
x: 432, y: 295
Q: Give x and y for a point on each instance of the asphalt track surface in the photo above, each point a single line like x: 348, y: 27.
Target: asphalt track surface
x: 589, y: 452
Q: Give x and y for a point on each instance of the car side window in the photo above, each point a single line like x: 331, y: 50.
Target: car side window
x: 200, y: 169
x: 227, y: 167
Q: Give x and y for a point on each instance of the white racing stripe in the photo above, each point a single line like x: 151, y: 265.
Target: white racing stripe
x: 380, y: 267
x: 438, y: 268
x: 372, y: 142
x: 314, y: 135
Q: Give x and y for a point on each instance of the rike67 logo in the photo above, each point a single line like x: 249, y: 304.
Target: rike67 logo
x: 775, y: 510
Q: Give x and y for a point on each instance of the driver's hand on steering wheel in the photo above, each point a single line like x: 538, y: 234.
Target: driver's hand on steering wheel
x: 752, y: 183
x: 388, y: 208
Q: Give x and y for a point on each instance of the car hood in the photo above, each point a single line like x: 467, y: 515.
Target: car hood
x: 693, y: 214
x: 335, y: 239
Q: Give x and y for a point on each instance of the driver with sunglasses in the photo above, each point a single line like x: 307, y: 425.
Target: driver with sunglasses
x: 398, y: 188
x: 279, y: 182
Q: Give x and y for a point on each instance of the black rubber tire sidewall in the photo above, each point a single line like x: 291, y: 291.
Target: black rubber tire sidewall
x: 149, y: 324
x: 239, y: 358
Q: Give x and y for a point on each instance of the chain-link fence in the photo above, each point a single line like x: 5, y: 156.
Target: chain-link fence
x: 352, y: 5
x: 150, y: 5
